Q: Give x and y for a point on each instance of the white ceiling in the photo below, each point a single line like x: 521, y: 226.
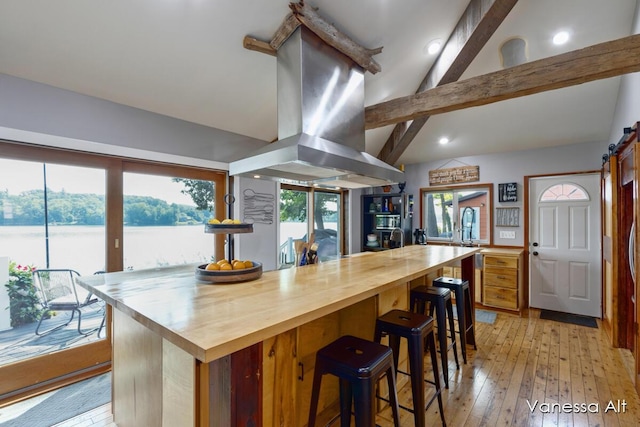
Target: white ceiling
x: 184, y: 58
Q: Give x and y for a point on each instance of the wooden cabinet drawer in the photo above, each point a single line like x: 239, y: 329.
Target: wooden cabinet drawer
x: 500, y: 261
x: 505, y: 278
x: 500, y: 297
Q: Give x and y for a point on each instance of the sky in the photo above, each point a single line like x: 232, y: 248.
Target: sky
x: 18, y: 176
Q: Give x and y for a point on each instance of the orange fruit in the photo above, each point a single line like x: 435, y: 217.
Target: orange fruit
x: 248, y: 264
x: 212, y: 266
x: 222, y: 261
x: 226, y: 266
x: 238, y: 265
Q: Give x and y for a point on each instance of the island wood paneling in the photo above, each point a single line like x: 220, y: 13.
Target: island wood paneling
x: 137, y: 374
x: 212, y: 323
x: 178, y: 384
x: 279, y: 397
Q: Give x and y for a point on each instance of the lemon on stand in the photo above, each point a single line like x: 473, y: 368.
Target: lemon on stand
x: 212, y: 266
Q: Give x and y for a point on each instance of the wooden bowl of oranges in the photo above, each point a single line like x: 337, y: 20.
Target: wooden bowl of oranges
x: 228, y: 272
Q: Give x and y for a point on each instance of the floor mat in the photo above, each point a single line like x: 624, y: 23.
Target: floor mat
x: 59, y: 405
x: 569, y: 318
x: 484, y: 316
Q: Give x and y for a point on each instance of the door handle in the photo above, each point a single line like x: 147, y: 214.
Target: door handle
x: 535, y: 253
x: 535, y: 244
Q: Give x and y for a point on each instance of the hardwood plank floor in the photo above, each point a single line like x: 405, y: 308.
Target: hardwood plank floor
x: 520, y: 363
x: 528, y: 362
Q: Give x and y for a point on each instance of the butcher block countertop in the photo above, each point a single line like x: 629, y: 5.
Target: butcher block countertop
x: 213, y: 320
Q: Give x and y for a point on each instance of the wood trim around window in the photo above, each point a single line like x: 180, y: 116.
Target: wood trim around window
x: 44, y: 373
x: 463, y: 187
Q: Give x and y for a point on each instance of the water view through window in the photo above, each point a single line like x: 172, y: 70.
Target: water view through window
x: 53, y: 216
x: 163, y: 221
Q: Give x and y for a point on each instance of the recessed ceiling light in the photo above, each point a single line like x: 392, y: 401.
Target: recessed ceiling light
x: 561, y: 38
x: 444, y: 140
x: 256, y: 176
x: 433, y: 47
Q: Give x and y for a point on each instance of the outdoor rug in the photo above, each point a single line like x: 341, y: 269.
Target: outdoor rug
x: 59, y: 405
x: 569, y: 318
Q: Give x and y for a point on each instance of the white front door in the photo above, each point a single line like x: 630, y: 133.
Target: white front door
x: 564, y: 251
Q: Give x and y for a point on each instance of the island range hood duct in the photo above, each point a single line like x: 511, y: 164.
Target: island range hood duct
x: 321, y: 136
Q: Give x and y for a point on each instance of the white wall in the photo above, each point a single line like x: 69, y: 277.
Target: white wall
x: 511, y: 167
x: 261, y: 245
x: 41, y: 114
x: 627, y: 108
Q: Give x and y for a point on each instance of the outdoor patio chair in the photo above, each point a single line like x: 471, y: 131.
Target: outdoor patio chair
x: 58, y: 292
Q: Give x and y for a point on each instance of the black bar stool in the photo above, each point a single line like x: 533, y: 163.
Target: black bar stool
x: 439, y: 300
x: 464, y: 305
x: 359, y: 364
x: 416, y: 328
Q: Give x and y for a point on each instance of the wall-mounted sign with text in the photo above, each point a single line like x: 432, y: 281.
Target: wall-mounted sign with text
x: 508, y: 192
x: 454, y: 175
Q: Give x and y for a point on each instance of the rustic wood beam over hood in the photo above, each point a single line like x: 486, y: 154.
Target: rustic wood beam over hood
x: 307, y: 16
x: 601, y: 61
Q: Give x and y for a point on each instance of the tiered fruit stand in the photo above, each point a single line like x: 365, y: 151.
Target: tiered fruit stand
x: 222, y: 277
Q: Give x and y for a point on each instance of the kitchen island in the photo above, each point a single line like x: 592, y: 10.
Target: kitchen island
x: 187, y: 352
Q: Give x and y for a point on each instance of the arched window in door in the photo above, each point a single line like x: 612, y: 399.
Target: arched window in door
x: 564, y: 191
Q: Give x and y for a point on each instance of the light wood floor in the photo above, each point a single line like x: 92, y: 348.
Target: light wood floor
x: 518, y: 361
x: 522, y: 360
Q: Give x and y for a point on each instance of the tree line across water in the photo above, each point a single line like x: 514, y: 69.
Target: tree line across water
x: 28, y: 208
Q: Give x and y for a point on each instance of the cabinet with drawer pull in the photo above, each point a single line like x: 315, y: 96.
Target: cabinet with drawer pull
x: 502, y: 279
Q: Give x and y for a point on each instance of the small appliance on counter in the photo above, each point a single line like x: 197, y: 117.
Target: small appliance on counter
x: 419, y: 237
x: 372, y: 240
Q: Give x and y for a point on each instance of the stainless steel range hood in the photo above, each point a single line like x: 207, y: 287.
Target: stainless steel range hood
x: 320, y: 122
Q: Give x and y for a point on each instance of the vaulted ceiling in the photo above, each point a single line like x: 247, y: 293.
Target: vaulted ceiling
x: 185, y: 59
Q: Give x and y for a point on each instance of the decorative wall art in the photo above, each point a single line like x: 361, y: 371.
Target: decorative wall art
x: 454, y: 175
x: 507, y: 217
x: 508, y: 192
x: 258, y: 207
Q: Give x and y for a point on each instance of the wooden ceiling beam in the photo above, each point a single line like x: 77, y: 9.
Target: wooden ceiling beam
x: 335, y: 38
x: 601, y: 61
x: 252, y: 43
x: 478, y: 23
x: 288, y: 26
x: 302, y: 14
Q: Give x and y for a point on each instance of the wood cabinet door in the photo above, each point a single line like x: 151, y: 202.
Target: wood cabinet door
x: 246, y: 402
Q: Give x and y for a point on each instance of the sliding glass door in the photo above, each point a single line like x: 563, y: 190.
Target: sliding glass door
x: 52, y: 216
x: 308, y: 212
x: 91, y: 214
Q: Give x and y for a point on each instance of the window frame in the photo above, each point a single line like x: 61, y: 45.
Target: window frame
x: 27, y: 378
x: 456, y: 233
x: 311, y: 211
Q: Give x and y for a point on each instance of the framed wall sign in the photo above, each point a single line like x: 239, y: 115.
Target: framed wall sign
x: 507, y: 217
x: 454, y: 175
x: 508, y: 192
